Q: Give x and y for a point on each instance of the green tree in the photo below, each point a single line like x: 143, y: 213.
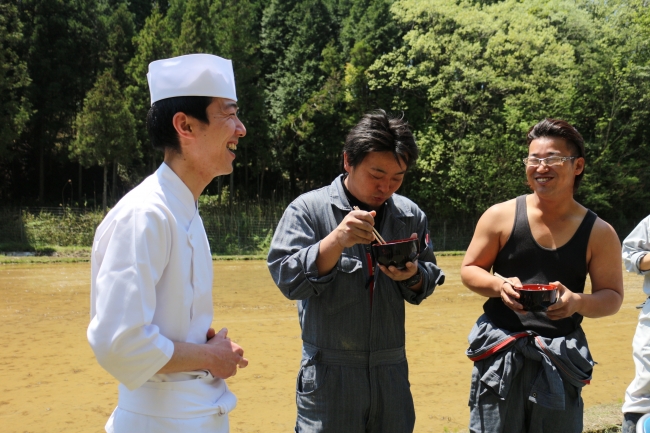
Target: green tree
x: 105, y: 130
x: 141, y: 9
x: 613, y: 108
x: 294, y: 35
x: 236, y: 27
x: 474, y: 76
x: 367, y: 29
x: 470, y: 76
x: 62, y: 46
x: 153, y: 42
x: 120, y: 31
x: 472, y: 79
x: 14, y: 107
x: 312, y: 135
x: 195, y: 29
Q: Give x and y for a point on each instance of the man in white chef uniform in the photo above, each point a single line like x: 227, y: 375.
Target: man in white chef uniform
x: 151, y: 287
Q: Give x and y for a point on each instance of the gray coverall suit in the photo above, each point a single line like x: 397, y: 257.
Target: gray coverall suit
x: 354, y: 374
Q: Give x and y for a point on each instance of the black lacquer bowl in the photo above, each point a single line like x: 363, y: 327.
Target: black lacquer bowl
x: 537, y: 297
x: 396, y: 253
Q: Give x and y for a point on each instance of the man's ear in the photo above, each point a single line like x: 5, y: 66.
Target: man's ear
x: 579, y: 166
x: 346, y: 165
x: 183, y: 125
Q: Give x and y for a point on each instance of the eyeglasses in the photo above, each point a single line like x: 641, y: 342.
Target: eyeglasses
x: 550, y: 161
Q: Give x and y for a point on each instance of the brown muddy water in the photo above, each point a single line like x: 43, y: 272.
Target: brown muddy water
x: 50, y: 381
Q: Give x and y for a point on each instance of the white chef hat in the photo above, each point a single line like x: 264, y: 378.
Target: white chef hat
x: 191, y: 75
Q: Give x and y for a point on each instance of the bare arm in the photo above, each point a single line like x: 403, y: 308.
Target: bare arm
x: 606, y: 273
x: 356, y: 228
x: 220, y: 356
x: 491, y: 233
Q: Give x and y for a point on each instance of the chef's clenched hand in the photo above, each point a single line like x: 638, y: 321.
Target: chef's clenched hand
x: 224, y: 355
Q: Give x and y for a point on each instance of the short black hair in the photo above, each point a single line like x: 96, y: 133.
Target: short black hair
x: 557, y: 128
x: 379, y: 132
x: 159, y: 119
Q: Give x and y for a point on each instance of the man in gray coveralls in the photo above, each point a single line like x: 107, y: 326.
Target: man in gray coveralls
x: 354, y: 374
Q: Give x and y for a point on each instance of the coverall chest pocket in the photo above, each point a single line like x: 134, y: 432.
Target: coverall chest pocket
x: 349, y: 287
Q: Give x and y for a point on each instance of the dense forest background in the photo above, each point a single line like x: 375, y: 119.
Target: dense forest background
x: 470, y: 77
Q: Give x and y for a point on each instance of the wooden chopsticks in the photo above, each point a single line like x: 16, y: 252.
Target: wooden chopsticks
x: 504, y: 279
x: 377, y: 235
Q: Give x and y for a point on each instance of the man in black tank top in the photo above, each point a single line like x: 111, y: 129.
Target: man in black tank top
x: 530, y: 366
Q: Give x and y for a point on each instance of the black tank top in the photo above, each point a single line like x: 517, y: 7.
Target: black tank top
x: 523, y: 257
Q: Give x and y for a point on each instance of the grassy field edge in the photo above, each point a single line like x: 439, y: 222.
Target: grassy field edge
x: 21, y: 253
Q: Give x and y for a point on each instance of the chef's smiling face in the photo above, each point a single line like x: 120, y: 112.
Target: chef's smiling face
x: 217, y: 140
x: 375, y: 178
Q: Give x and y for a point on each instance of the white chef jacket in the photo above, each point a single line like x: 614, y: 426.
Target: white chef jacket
x: 637, y: 395
x: 151, y: 284
x: 635, y: 246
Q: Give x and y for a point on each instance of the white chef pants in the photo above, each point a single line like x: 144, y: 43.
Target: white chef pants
x: 637, y: 395
x: 123, y: 421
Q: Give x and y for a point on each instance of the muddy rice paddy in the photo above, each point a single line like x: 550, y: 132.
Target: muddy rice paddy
x: 50, y: 381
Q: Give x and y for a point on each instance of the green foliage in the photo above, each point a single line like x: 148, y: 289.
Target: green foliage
x: 195, y: 34
x: 317, y: 53
x: 105, y: 127
x: 239, y: 227
x: 120, y: 30
x: 294, y: 37
x: 61, y: 45
x: 614, y: 109
x: 71, y: 229
x: 153, y: 42
x: 237, y: 37
x: 15, y: 109
x: 470, y: 77
x: 474, y: 77
x: 141, y: 10
x: 263, y: 243
x: 105, y: 130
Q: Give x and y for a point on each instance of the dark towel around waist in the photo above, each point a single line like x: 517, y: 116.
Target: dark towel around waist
x: 354, y: 358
